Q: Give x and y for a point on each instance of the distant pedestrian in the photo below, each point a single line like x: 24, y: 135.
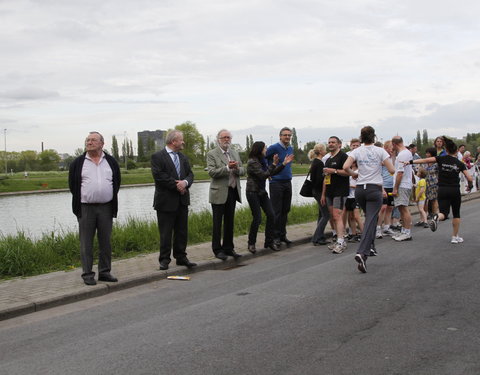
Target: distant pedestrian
x: 335, y: 190
x: 385, y: 216
x: 368, y: 192
x: 173, y: 178
x: 225, y: 168
x: 316, y: 175
x: 94, y: 180
x: 449, y: 196
x: 280, y: 185
x: 258, y: 171
x: 420, y: 197
x: 402, y: 188
x: 431, y: 194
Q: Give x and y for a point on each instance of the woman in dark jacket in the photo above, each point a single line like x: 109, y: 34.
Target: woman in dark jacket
x: 258, y: 171
x: 316, y: 175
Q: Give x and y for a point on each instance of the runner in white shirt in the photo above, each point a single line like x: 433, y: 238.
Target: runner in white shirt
x: 369, y: 190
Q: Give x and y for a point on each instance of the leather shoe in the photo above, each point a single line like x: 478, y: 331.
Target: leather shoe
x: 185, y: 262
x: 286, y: 240
x: 273, y: 246
x: 234, y: 254
x: 252, y: 249
x: 107, y: 277
x: 221, y: 255
x: 163, y: 266
x: 90, y: 281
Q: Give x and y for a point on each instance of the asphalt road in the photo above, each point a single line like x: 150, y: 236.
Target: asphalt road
x: 303, y: 311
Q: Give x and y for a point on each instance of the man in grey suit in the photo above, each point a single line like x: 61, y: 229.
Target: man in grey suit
x: 173, y: 178
x: 225, y: 168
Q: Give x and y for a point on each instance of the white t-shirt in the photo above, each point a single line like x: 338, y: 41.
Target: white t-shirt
x: 369, y: 160
x: 402, y: 156
x: 353, y: 185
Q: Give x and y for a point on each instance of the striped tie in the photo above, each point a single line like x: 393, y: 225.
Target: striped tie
x: 176, y: 162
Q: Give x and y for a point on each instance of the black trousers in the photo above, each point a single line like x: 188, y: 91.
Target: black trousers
x: 281, y: 198
x: 224, y: 213
x: 96, y: 218
x: 173, y: 225
x: 257, y: 203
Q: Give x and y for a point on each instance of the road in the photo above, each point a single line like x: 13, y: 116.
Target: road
x: 303, y: 311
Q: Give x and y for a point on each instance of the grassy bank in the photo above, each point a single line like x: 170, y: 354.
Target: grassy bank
x: 22, y: 256
x: 41, y: 181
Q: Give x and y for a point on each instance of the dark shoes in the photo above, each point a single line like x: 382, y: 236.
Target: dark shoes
x: 185, y: 262
x: 89, y: 281
x: 320, y: 242
x: 163, y: 266
x: 286, y: 241
x: 272, y: 246
x: 221, y: 255
x: 234, y: 254
x: 108, y: 278
x: 362, y: 263
x: 252, y: 249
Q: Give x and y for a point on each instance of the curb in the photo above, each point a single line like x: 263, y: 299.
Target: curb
x: 130, y: 282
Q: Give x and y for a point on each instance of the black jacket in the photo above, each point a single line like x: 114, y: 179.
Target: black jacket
x: 75, y: 183
x: 167, y: 198
x: 257, y: 176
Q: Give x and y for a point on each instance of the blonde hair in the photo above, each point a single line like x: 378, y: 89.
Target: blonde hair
x: 422, y: 172
x: 318, y: 149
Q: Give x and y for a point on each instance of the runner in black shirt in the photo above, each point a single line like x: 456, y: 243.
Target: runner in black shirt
x: 449, y: 195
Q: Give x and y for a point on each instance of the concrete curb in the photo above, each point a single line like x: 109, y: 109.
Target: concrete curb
x: 101, y: 288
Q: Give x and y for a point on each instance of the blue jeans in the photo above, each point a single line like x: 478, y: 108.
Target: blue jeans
x: 258, y: 202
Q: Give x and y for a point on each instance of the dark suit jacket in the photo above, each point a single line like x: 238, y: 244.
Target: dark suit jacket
x: 167, y: 197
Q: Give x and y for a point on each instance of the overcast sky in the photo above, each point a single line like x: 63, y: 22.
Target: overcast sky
x: 322, y: 66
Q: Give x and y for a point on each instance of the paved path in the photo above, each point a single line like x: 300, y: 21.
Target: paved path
x: 26, y: 295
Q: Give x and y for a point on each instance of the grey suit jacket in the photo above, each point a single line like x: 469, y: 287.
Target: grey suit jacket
x: 217, y: 166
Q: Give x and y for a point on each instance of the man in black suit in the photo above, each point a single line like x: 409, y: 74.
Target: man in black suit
x: 173, y: 177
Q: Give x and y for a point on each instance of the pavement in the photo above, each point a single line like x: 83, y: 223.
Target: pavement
x: 22, y: 296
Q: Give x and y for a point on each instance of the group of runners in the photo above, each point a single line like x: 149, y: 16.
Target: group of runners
x: 382, y: 180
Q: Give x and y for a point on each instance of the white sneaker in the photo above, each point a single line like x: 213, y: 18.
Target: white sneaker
x: 403, y: 237
x: 395, y: 235
x: 338, y: 249
x: 456, y: 239
x: 388, y: 232
x: 379, y: 234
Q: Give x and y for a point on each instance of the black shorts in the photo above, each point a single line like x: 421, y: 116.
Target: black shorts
x: 351, y: 204
x: 449, y: 196
x: 388, y: 200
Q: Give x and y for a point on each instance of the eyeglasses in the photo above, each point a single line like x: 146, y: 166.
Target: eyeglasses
x: 286, y: 135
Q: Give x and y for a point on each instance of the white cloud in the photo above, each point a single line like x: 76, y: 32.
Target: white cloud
x: 130, y: 66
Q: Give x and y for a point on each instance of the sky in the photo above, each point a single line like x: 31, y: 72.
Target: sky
x: 325, y: 67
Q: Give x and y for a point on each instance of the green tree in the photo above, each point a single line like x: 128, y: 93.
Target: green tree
x: 29, y: 160
x: 130, y: 150
x: 294, y: 141
x: 49, y: 160
x: 194, y: 143
x: 425, y: 138
x: 418, y: 140
x: 115, y: 153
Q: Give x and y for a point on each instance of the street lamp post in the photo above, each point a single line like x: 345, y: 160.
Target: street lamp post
x: 5, y: 138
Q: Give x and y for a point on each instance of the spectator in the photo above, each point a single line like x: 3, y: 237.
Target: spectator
x: 431, y: 192
x: 420, y: 197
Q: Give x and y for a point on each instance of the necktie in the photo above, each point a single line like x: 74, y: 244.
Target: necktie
x: 176, y: 162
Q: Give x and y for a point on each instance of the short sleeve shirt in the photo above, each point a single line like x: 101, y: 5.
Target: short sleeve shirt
x: 369, y: 160
x: 339, y: 185
x: 448, y: 169
x: 407, y: 170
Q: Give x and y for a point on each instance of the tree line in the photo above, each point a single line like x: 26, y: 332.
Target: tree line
x: 196, y: 148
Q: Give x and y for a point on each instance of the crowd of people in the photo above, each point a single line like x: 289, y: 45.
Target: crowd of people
x: 381, y: 180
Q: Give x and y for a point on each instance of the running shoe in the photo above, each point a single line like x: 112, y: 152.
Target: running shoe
x: 456, y: 239
x: 425, y: 225
x: 362, y: 263
x: 388, y: 232
x: 403, y: 237
x: 379, y: 235
x: 338, y: 248
x: 434, y: 223
x: 373, y: 252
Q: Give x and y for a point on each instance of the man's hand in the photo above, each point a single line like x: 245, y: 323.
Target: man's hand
x: 181, y: 186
